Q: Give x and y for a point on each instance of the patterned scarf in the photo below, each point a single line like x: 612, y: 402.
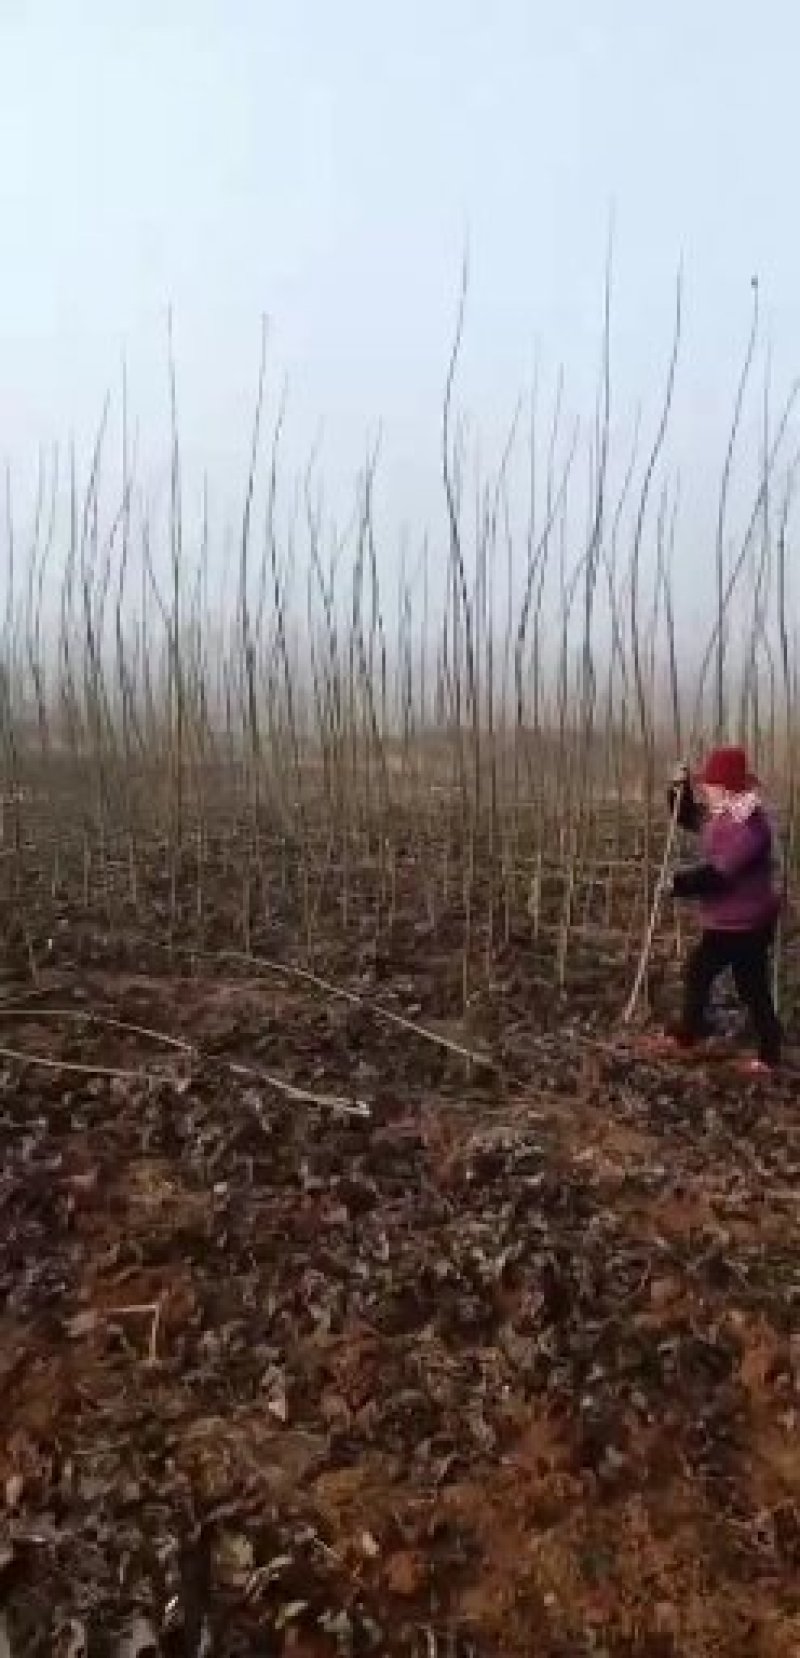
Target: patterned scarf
x: 738, y: 806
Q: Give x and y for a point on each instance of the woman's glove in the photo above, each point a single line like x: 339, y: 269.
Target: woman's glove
x: 697, y: 881
x: 681, y: 801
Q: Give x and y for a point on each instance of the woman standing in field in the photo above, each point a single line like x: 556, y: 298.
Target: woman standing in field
x: 735, y: 887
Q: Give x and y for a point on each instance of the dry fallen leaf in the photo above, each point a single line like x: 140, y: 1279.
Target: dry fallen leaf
x: 405, y: 1573
x: 274, y: 1384
x: 233, y: 1556
x: 76, y: 1640
x: 14, y: 1488
x: 82, y: 1324
x: 139, y: 1639
x: 290, y: 1613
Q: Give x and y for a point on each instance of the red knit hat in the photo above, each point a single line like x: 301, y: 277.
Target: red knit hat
x: 727, y: 768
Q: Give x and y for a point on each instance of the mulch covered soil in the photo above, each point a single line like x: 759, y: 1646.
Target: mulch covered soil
x: 503, y: 1364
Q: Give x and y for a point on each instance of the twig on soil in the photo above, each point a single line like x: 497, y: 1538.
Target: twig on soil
x: 142, y: 1309
x: 287, y: 970
x: 85, y: 1323
x: 46, y: 1063
x: 660, y: 888
x: 304, y: 1096
x: 152, y: 1348
x: 90, y: 1018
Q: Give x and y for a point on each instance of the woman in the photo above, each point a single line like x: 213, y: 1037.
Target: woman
x: 739, y: 906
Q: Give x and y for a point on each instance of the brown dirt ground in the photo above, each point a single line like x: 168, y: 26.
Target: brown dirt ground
x: 509, y: 1366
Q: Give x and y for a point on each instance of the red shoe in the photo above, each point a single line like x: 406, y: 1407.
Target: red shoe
x: 756, y: 1068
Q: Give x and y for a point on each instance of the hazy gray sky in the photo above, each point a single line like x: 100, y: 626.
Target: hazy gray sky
x: 323, y: 160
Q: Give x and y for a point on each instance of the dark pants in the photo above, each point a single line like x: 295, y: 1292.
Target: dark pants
x: 747, y: 955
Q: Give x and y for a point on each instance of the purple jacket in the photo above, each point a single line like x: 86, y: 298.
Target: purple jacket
x: 742, y: 852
